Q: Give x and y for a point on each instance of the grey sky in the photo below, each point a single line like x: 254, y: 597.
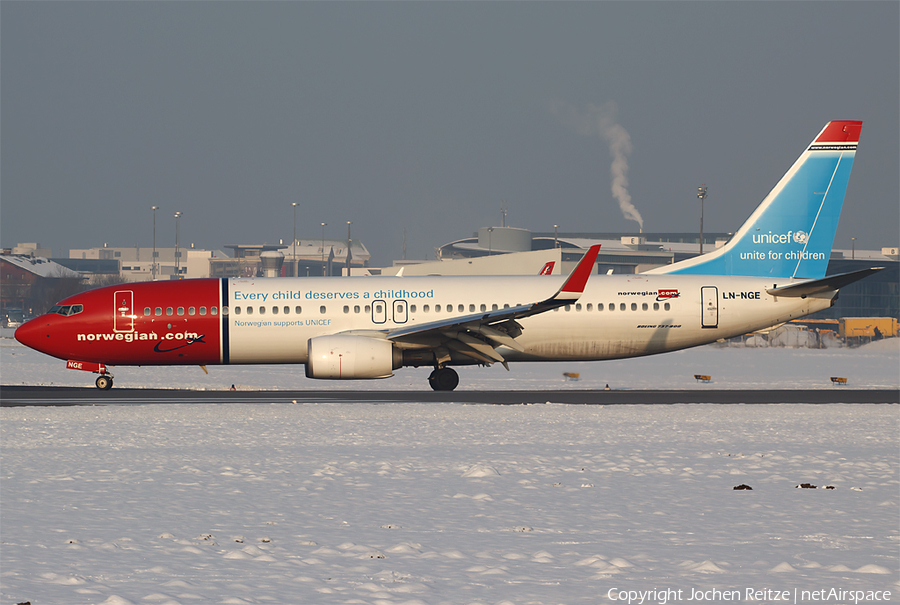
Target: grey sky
x: 427, y: 116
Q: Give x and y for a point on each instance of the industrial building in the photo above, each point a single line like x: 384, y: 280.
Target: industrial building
x: 490, y: 251
x: 304, y: 258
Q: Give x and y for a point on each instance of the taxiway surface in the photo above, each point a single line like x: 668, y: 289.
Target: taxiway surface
x: 62, y: 396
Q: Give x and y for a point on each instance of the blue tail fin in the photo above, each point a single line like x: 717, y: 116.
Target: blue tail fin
x: 791, y: 233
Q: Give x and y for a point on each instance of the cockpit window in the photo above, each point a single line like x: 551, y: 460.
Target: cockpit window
x: 66, y: 310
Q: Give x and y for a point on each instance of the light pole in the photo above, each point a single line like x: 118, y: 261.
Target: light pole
x: 153, y: 262
x: 490, y: 244
x: 296, y: 266
x: 177, y: 251
x: 556, y: 236
x: 701, y: 194
x: 852, y: 248
x: 323, y: 247
x: 349, y: 241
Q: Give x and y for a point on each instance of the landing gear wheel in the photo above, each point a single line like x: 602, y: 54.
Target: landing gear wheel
x: 104, y: 382
x: 443, y: 379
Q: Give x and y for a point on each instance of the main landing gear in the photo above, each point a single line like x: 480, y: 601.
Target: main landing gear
x: 104, y: 382
x: 443, y: 379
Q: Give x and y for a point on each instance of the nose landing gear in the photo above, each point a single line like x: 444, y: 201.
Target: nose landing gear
x: 443, y: 379
x: 104, y: 382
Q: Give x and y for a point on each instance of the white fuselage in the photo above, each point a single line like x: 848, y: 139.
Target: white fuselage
x: 271, y: 320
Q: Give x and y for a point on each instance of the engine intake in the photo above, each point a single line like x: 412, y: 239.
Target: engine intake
x: 351, y: 357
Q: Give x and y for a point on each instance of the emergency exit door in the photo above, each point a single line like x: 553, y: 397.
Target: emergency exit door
x: 709, y: 297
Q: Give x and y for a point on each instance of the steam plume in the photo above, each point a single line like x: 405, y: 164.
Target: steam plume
x: 601, y: 121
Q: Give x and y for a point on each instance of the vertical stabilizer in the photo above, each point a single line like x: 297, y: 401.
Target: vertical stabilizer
x: 791, y: 233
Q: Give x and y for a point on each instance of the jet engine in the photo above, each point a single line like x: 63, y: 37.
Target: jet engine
x: 348, y: 357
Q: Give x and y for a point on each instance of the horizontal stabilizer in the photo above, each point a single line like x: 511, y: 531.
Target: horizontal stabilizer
x: 826, y: 284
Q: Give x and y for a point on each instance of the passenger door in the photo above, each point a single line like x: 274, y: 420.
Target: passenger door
x: 124, y: 311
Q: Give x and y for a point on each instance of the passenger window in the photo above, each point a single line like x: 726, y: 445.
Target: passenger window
x: 157, y: 311
x: 168, y: 310
x: 471, y: 308
x: 578, y: 306
x: 644, y: 307
x: 249, y: 310
x: 322, y: 309
x: 368, y: 309
x: 634, y: 306
x: 287, y: 310
x: 274, y: 310
x: 262, y: 310
x: 191, y: 310
x: 346, y: 308
x: 589, y: 307
x: 568, y: 308
x: 667, y: 307
x: 412, y: 308
x: 202, y: 310
x: 462, y: 308
x: 356, y: 308
x: 215, y: 310
x: 237, y: 310
x: 656, y: 306
x: 599, y: 306
x: 146, y: 310
x: 180, y: 310
x: 437, y: 308
x: 506, y: 305
x: 425, y: 308
x: 612, y: 307
x: 297, y: 310
x: 621, y: 306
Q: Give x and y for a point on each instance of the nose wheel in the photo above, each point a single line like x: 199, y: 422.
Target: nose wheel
x: 104, y: 382
x: 443, y: 379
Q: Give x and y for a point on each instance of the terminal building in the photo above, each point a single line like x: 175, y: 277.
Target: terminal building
x: 490, y: 251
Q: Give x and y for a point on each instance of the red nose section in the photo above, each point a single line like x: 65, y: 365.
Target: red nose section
x: 33, y: 334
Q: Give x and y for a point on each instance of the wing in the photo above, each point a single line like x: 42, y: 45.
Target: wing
x: 478, y: 335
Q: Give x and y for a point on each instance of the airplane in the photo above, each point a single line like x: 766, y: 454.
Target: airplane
x: 346, y: 328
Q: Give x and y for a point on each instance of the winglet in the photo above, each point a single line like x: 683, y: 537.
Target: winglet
x: 577, y: 280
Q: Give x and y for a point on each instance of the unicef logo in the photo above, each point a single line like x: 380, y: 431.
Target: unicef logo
x: 800, y: 237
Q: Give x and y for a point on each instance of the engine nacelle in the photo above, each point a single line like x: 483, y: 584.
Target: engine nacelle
x: 351, y: 357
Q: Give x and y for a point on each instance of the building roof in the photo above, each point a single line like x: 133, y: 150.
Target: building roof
x: 40, y: 266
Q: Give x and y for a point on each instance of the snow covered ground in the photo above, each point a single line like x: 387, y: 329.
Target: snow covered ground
x: 444, y: 503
